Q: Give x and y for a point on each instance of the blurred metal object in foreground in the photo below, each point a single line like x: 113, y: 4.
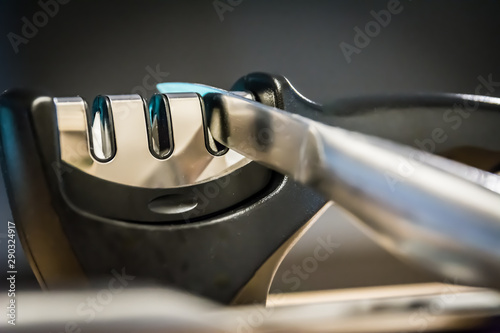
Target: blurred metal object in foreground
x: 443, y: 215
x: 411, y: 308
x: 222, y: 232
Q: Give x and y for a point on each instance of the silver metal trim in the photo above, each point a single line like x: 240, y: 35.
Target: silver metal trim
x: 132, y: 162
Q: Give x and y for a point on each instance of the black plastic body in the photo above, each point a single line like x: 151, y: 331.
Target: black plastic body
x: 216, y: 251
x: 213, y: 252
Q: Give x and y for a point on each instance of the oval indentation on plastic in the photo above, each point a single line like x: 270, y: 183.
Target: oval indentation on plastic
x: 171, y: 204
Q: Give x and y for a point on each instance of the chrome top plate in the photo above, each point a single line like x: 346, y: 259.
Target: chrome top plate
x: 122, y: 146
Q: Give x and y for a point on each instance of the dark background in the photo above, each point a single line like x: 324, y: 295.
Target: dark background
x: 104, y: 47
